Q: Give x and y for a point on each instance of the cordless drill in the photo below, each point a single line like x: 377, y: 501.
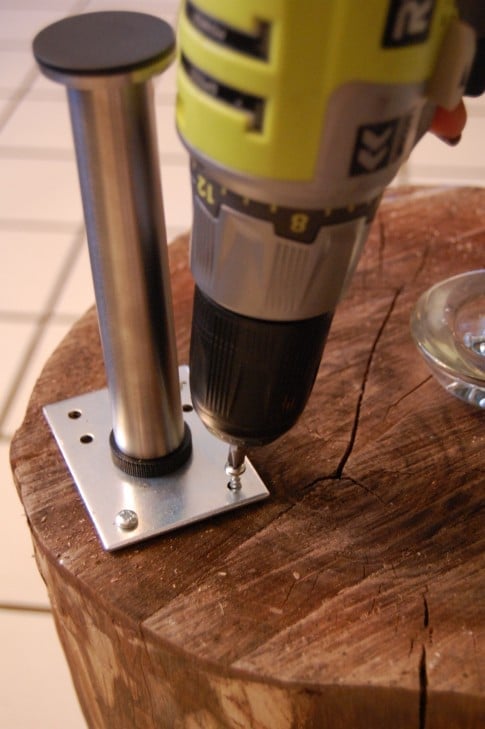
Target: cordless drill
x: 296, y: 116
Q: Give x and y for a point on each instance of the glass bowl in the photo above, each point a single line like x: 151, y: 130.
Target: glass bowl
x: 448, y: 327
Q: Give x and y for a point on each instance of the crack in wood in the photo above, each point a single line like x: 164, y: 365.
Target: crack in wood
x: 343, y: 461
x: 422, y: 670
x: 368, y: 490
x: 407, y: 394
x: 290, y: 590
x: 422, y: 263
x: 423, y: 689
x: 426, y: 612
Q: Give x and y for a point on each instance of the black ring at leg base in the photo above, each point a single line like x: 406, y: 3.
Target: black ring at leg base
x: 152, y: 467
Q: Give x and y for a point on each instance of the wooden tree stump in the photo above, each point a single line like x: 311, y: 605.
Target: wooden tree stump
x: 353, y: 597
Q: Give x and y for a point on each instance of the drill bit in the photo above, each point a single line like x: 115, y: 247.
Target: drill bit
x: 235, y: 466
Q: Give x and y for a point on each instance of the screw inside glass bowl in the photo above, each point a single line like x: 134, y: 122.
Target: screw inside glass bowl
x: 476, y: 343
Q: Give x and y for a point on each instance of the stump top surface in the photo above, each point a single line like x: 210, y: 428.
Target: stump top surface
x: 364, y: 566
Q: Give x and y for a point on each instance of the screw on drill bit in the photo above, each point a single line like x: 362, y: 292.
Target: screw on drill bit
x: 235, y: 466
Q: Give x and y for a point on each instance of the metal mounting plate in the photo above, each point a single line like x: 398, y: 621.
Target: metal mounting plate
x: 127, y: 510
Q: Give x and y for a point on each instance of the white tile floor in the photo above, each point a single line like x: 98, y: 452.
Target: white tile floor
x: 45, y: 286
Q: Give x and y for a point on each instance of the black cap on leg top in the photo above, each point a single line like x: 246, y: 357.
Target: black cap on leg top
x: 104, y: 43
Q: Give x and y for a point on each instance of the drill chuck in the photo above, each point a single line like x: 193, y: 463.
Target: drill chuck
x: 251, y: 378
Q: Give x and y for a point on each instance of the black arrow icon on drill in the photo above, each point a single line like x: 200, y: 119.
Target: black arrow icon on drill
x: 373, y: 147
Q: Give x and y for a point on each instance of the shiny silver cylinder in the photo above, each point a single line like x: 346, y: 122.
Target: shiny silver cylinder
x: 107, y: 73
x: 120, y: 182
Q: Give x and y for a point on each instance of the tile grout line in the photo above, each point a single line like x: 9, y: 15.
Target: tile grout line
x: 18, y: 96
x: 25, y: 608
x: 32, y: 317
x: 42, y: 321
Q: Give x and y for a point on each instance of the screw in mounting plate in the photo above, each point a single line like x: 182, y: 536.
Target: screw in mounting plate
x: 127, y: 520
x: 235, y: 466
